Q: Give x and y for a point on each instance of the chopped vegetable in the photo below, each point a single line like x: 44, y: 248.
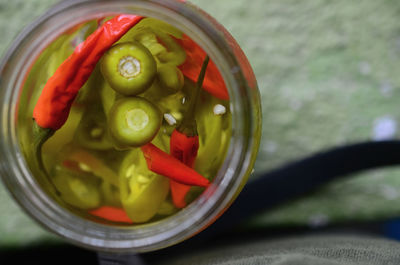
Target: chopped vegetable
x: 92, y: 131
x: 129, y: 68
x: 108, y: 97
x: 133, y: 121
x: 166, y: 208
x: 174, y: 54
x: 171, y: 78
x: 65, y: 135
x: 141, y: 199
x: 84, y: 159
x: 213, y: 137
x: 76, y: 189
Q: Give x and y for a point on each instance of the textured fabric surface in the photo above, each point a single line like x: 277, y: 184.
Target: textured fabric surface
x: 328, y: 75
x: 313, y: 250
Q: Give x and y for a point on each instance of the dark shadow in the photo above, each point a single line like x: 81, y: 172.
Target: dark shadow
x: 44, y: 253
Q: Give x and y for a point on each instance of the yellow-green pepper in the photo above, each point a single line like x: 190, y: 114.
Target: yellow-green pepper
x: 142, y: 192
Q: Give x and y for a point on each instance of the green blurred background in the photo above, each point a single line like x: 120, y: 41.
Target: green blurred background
x: 328, y: 72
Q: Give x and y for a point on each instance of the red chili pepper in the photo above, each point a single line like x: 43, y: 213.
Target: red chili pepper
x: 184, y: 141
x: 54, y: 104
x: 185, y: 149
x: 111, y: 214
x: 162, y: 163
x: 213, y: 82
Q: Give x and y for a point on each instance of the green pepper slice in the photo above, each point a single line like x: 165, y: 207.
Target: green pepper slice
x: 92, y: 132
x: 108, y: 96
x: 213, y: 136
x: 174, y: 53
x: 63, y: 136
x: 167, y: 208
x: 87, y: 162
x: 153, y: 23
x: 129, y: 68
x: 142, y: 192
x: 170, y: 77
x: 133, y: 121
x: 77, y: 189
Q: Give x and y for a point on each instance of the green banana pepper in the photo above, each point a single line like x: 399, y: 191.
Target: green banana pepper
x: 142, y: 192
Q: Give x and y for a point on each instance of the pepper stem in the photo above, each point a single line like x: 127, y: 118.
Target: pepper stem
x: 41, y: 135
x: 188, y: 125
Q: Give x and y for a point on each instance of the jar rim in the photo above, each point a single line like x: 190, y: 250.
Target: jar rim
x: 187, y: 222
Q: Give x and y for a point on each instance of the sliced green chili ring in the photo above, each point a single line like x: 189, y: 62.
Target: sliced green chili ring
x: 133, y: 121
x: 129, y: 68
x: 170, y: 77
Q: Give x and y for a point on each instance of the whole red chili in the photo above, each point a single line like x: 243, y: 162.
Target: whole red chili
x: 162, y: 163
x: 52, y: 109
x: 184, y: 141
x: 53, y: 106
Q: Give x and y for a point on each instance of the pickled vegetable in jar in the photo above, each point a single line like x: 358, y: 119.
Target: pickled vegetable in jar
x: 147, y: 132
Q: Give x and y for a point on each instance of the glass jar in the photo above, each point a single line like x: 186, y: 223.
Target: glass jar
x: 236, y: 168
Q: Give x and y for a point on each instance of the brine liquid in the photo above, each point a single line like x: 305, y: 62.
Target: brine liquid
x: 98, y: 180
